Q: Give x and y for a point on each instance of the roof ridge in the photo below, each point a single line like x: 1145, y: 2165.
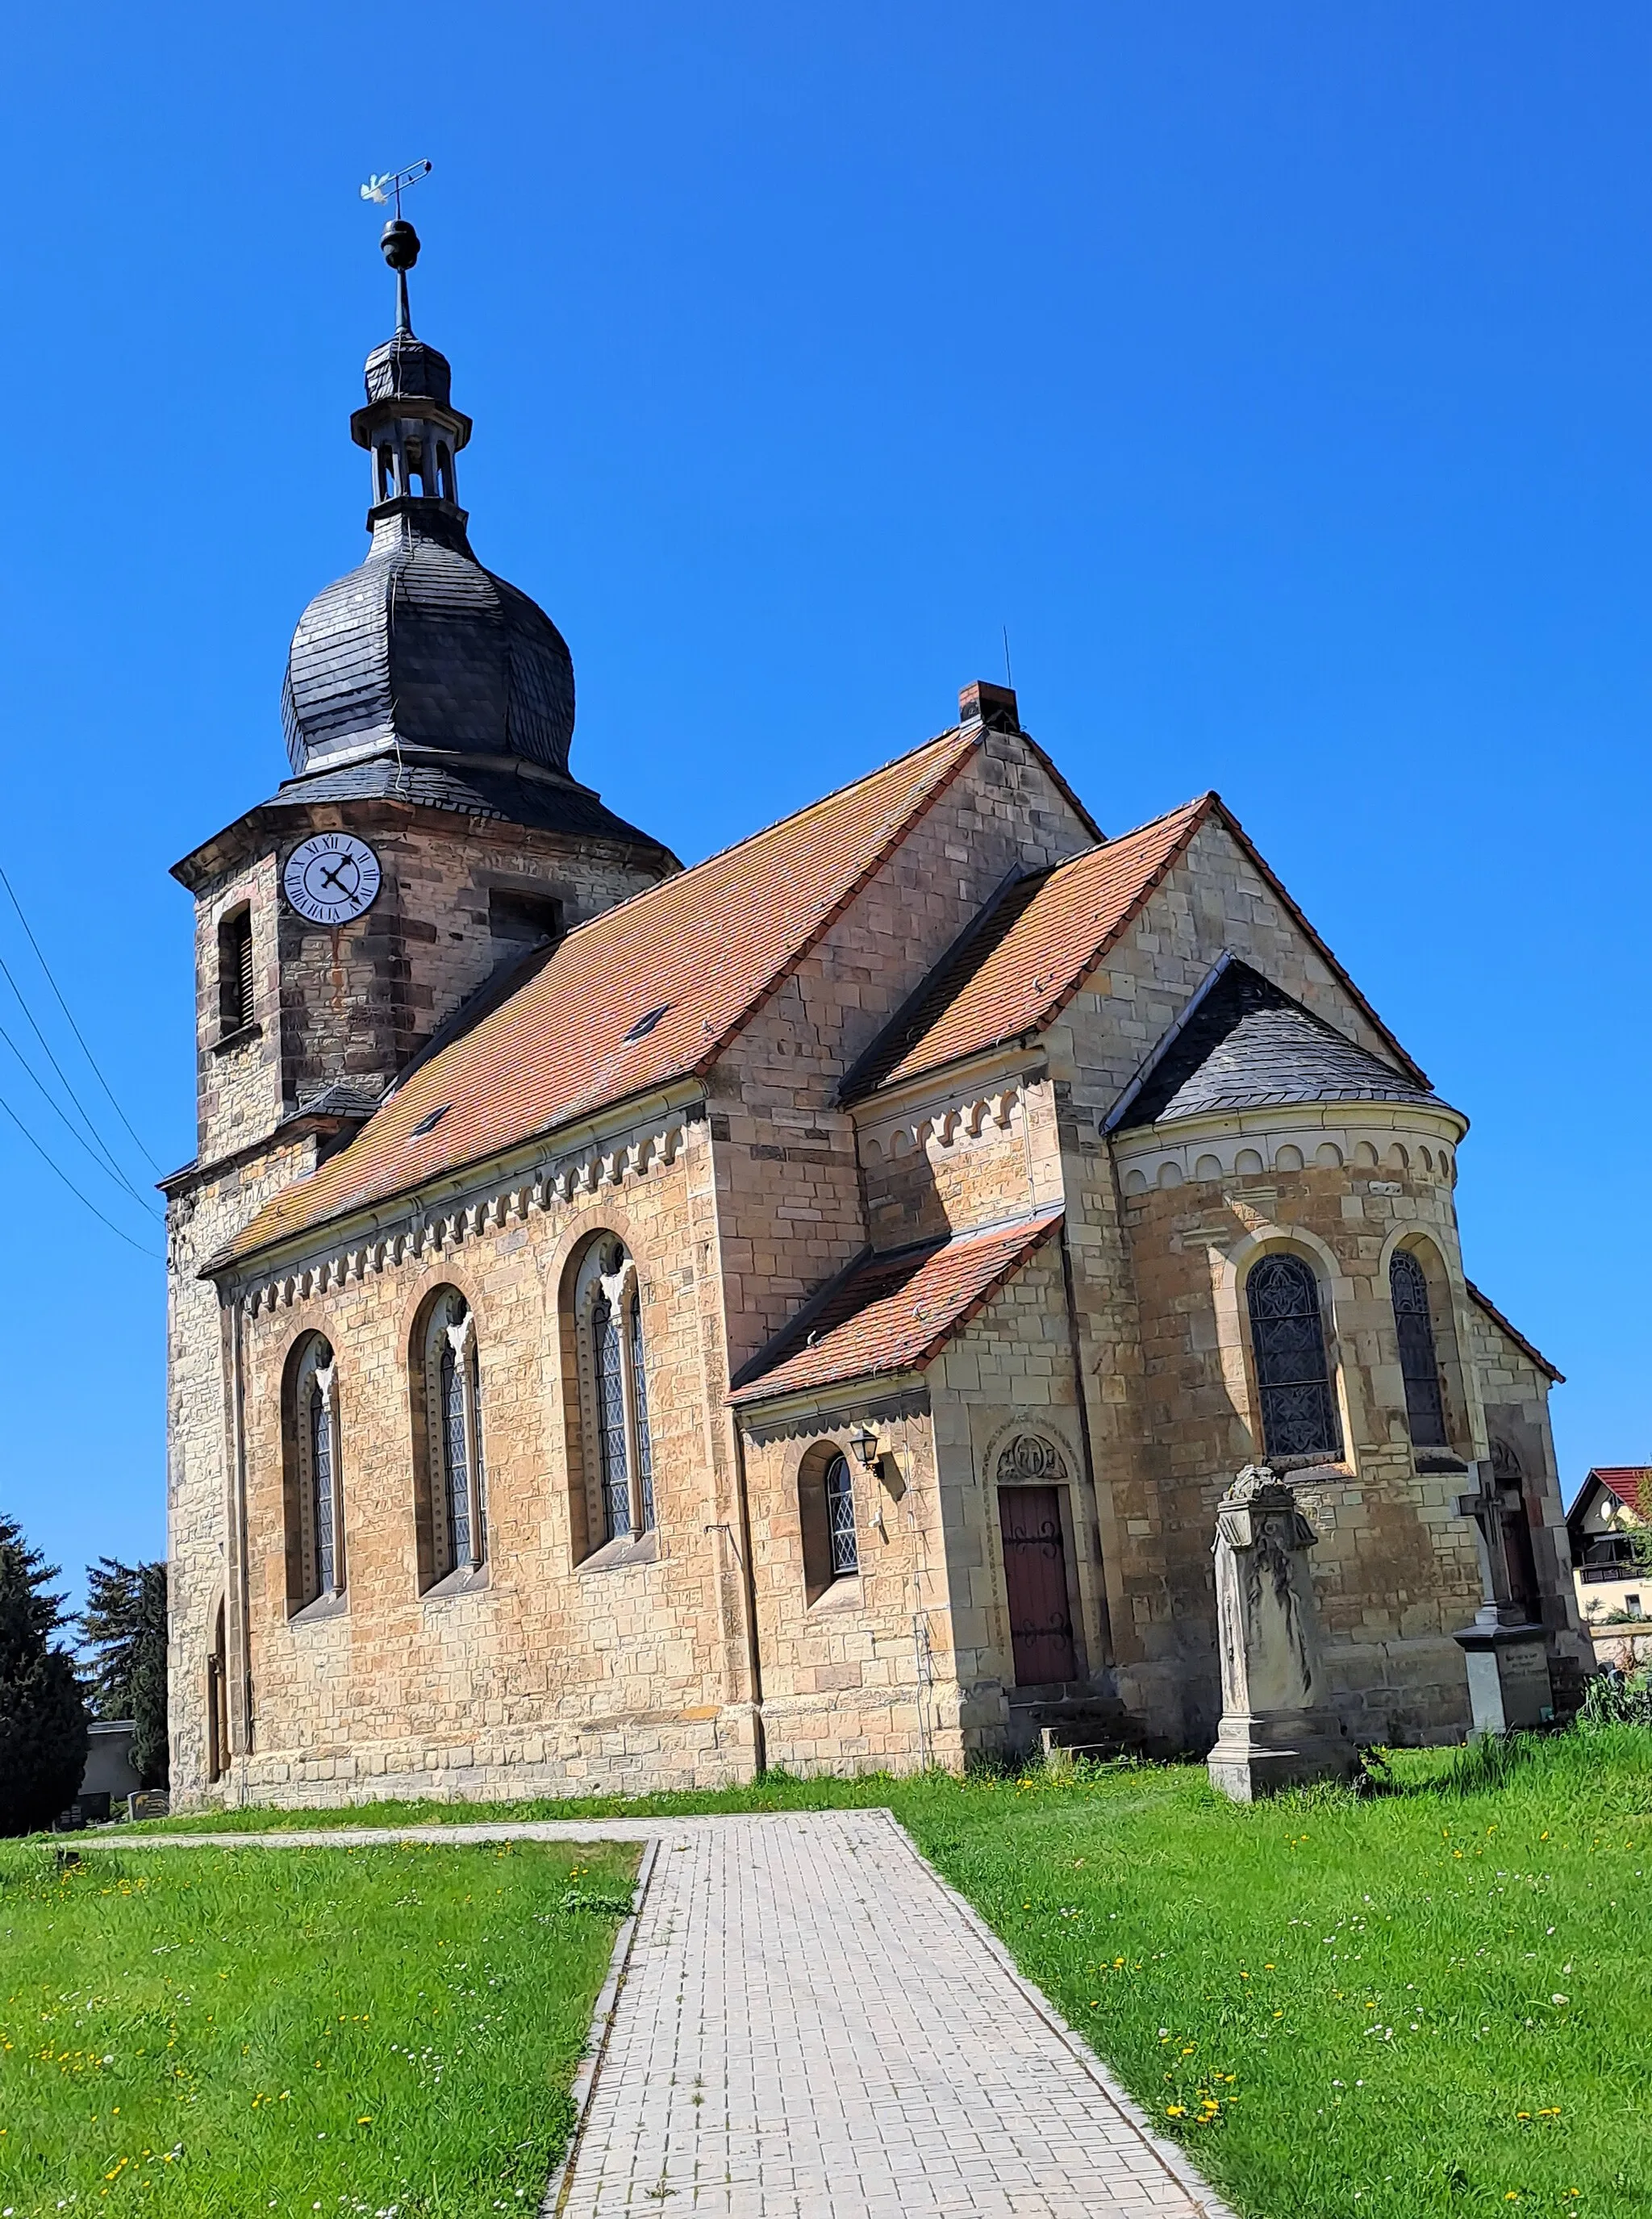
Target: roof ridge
x: 1483, y: 1301
x: 779, y: 824
x: 969, y: 964
x: 1299, y: 917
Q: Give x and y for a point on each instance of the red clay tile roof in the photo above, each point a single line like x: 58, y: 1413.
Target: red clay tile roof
x: 1486, y: 1303
x: 1016, y: 970
x: 893, y: 1313
x: 1623, y: 1480
x: 698, y: 952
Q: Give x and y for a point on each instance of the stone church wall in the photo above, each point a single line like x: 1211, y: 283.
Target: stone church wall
x: 556, y: 1674
x: 1395, y: 1570
x: 201, y: 1566
x: 842, y: 1661
x: 958, y: 1156
x: 788, y: 1194
x: 1168, y: 1399
x: 1011, y: 1371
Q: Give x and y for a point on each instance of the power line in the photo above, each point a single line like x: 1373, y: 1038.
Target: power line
x: 154, y: 1254
x: 101, y: 1160
x: 73, y: 1027
x: 104, y: 1151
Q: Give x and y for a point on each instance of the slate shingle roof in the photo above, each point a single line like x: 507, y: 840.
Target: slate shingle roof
x: 1247, y: 1045
x: 1015, y: 971
x: 892, y: 1313
x: 705, y: 948
x: 472, y: 790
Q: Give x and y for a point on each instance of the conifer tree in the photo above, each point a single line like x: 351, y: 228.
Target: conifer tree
x: 42, y: 1710
x: 124, y: 1625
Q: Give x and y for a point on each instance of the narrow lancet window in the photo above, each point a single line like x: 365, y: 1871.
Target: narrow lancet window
x: 458, y: 1523
x: 1418, y: 1362
x: 614, y: 1393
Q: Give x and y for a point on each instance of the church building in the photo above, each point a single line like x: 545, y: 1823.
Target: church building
x: 629, y: 1326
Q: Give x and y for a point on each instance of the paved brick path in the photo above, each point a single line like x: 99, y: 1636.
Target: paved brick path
x: 812, y: 2025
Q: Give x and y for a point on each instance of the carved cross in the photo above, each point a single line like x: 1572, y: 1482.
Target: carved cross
x: 1486, y: 1507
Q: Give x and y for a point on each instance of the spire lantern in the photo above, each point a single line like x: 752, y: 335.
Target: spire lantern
x: 409, y: 425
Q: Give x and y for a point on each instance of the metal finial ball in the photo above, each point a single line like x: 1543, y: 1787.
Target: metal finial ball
x: 400, y: 244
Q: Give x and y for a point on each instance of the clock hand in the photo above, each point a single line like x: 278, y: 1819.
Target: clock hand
x: 333, y: 880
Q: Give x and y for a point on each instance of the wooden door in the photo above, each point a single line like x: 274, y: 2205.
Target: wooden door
x: 1035, y: 1572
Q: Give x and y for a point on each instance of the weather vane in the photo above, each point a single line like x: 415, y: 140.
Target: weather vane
x: 391, y: 186
x: 400, y: 244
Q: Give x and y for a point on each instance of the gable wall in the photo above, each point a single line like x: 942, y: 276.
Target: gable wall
x: 1515, y: 1395
x: 789, y: 1193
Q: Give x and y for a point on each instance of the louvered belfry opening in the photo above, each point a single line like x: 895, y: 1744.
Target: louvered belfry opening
x: 235, y: 971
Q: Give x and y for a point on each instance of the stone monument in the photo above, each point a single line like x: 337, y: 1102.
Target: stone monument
x: 1276, y: 1729
x: 1505, y: 1650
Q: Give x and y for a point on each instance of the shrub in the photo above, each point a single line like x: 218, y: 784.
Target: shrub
x: 42, y: 1710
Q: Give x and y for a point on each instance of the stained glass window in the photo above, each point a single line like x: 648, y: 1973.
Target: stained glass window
x: 640, y: 1404
x: 840, y: 1518
x: 1424, y: 1410
x: 456, y: 1456
x: 326, y: 1559
x: 611, y: 1418
x: 1299, y: 1417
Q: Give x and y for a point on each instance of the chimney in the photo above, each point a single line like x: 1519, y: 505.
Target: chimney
x: 994, y: 706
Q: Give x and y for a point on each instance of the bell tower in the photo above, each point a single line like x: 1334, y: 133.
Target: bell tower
x: 430, y: 834
x: 429, y: 842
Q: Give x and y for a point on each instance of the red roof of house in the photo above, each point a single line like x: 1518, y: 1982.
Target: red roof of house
x: 1486, y: 1303
x: 893, y: 1313
x: 1016, y: 970
x: 697, y: 954
x: 1624, y: 1480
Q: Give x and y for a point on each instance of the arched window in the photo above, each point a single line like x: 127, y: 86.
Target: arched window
x: 1418, y: 1365
x: 444, y: 470
x: 1299, y: 1414
x: 840, y: 1518
x: 315, y: 1534
x: 826, y: 1520
x: 387, y: 472
x: 614, y: 1394
x: 458, y: 1480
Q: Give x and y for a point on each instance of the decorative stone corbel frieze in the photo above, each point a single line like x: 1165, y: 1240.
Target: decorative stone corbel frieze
x: 945, y: 1127
x: 558, y: 1185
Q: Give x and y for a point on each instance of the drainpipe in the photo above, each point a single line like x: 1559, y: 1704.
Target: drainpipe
x: 1076, y: 1347
x: 749, y: 1590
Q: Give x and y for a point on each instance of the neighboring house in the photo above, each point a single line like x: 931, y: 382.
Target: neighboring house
x: 1613, y: 1503
x: 629, y: 1324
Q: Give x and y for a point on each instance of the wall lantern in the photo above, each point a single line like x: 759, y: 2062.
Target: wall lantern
x: 863, y: 1447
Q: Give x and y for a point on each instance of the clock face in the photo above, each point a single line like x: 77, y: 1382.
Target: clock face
x: 331, y: 878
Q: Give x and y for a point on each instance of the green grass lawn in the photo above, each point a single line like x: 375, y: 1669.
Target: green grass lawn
x: 352, y: 2031
x: 1433, y: 2000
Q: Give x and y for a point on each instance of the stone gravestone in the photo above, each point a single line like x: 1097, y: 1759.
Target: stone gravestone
x: 1506, y: 1653
x: 1276, y: 1729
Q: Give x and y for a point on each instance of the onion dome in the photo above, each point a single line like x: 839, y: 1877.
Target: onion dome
x: 421, y: 660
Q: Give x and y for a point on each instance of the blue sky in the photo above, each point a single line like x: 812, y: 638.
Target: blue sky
x: 1279, y: 375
